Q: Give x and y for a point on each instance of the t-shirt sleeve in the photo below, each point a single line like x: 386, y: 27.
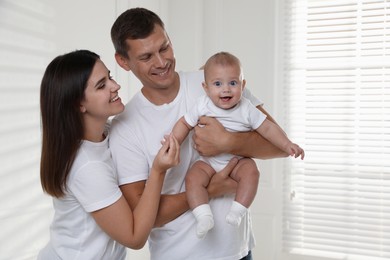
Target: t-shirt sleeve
x: 130, y: 162
x: 254, y: 100
x: 255, y: 116
x: 95, y: 186
x: 193, y: 114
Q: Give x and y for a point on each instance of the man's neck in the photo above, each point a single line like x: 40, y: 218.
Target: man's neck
x: 160, y: 96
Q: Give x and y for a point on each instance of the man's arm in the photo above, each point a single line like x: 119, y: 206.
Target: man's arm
x: 212, y: 139
x: 171, y: 206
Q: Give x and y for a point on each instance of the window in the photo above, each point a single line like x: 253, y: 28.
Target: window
x: 25, y: 49
x: 337, y: 94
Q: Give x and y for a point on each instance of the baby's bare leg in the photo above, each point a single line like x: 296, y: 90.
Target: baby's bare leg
x: 197, y: 179
x: 247, y: 175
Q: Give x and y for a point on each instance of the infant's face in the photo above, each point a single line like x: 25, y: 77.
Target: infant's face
x: 224, y: 85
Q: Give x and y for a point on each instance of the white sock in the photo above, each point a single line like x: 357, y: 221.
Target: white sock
x: 205, y: 219
x: 237, y: 211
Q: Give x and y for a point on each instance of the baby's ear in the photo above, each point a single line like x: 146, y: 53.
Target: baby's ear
x: 204, y: 85
x: 243, y: 84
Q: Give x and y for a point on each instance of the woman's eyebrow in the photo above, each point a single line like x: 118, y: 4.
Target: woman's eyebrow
x: 100, y: 81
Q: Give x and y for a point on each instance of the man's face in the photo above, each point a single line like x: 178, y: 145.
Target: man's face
x: 152, y: 59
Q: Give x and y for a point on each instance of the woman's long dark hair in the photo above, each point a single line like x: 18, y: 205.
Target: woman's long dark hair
x: 62, y: 90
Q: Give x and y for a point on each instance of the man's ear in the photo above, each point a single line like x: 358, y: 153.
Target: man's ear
x: 122, y: 62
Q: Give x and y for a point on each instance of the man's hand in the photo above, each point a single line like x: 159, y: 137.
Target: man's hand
x: 210, y: 137
x: 221, y: 183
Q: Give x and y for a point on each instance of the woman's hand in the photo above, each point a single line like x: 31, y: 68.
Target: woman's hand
x: 168, y: 155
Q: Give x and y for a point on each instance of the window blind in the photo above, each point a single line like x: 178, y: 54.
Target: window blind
x: 25, y: 49
x: 337, y: 97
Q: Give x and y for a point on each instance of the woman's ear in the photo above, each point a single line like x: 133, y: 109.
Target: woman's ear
x: 82, y: 109
x: 122, y: 62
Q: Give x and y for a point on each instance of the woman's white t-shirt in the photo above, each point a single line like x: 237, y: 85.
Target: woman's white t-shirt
x: 92, y: 185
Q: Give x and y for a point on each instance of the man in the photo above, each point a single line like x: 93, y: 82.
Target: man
x: 143, y: 47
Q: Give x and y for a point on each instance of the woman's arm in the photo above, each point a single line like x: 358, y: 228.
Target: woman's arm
x: 131, y: 227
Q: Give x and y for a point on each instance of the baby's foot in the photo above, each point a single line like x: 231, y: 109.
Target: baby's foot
x: 204, y: 218
x: 237, y: 211
x: 205, y: 223
x: 233, y: 218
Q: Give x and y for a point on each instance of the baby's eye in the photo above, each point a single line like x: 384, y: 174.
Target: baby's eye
x: 218, y: 83
x: 233, y: 83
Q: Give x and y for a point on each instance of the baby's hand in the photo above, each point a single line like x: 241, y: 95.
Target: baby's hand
x: 168, y: 155
x: 296, y: 151
x: 166, y: 137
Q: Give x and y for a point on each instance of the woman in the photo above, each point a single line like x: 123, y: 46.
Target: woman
x: 92, y: 219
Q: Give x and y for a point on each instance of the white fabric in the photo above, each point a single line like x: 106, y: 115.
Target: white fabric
x: 136, y: 136
x: 241, y: 118
x: 236, y: 212
x: 92, y: 185
x: 204, y: 219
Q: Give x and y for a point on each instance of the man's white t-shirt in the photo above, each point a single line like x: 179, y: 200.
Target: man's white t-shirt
x: 136, y: 136
x: 92, y: 185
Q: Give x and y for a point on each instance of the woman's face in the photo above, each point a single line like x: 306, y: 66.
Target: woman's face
x: 101, y: 98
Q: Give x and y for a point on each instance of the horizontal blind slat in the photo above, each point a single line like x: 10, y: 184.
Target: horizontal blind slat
x: 337, y: 92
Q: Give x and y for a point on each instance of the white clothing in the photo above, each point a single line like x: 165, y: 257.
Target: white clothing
x: 136, y: 136
x: 241, y: 118
x: 92, y: 185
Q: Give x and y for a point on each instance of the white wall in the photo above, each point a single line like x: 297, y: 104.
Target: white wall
x: 247, y: 29
x: 197, y: 29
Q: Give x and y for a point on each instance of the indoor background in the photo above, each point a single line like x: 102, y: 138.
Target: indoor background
x: 265, y: 35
